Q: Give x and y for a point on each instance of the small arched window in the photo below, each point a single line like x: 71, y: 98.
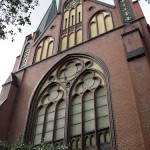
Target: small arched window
x: 44, y: 49
x: 100, y: 23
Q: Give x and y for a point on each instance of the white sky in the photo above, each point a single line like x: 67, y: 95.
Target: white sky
x: 10, y: 50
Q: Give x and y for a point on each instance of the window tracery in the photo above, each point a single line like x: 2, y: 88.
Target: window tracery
x: 25, y: 56
x: 100, y: 23
x: 73, y: 104
x: 44, y: 49
x: 126, y: 10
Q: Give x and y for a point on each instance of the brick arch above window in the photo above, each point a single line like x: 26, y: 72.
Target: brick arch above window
x: 44, y: 49
x: 100, y: 23
x: 77, y: 86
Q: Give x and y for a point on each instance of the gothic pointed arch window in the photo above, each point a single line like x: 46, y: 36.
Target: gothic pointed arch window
x: 25, y: 56
x: 44, y: 49
x: 50, y: 116
x: 100, y: 23
x: 72, y: 106
x: 72, y: 24
x: 126, y: 11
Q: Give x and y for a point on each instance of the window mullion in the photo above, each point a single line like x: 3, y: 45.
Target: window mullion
x: 95, y: 114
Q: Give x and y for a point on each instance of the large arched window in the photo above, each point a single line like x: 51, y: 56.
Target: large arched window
x: 72, y: 106
x: 100, y: 23
x: 50, y: 120
x: 44, y: 49
x: 72, y: 24
x: 126, y: 11
x: 90, y: 121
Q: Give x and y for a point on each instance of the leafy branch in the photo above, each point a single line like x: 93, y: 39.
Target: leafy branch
x: 15, y: 13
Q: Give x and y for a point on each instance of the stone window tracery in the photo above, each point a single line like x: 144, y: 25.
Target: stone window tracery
x: 72, y: 106
x: 25, y: 56
x: 126, y: 10
x: 100, y: 23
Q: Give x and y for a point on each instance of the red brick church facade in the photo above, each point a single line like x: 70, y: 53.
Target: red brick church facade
x: 82, y: 78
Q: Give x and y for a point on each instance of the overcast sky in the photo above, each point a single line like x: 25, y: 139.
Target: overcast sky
x: 9, y: 50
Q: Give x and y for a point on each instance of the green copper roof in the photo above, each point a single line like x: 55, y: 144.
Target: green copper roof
x: 49, y: 16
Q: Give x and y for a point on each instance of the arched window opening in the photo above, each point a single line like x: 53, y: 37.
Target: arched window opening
x: 79, y: 36
x: 75, y: 110
x: 50, y: 114
x: 71, y: 40
x: 100, y: 23
x: 60, y: 121
x: 72, y: 22
x: 50, y: 119
x: 39, y: 126
x: 91, y: 93
x: 44, y: 49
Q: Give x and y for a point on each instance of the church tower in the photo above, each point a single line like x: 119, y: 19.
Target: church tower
x: 82, y: 79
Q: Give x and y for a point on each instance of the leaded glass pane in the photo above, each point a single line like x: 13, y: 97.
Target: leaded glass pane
x: 101, y: 25
x: 37, y: 139
x: 89, y: 126
x: 101, y: 101
x: 51, y: 108
x: 89, y: 115
x: 103, y: 122
x: 102, y: 111
x: 50, y: 49
x: 40, y: 119
x: 89, y: 105
x: 60, y: 113
x: 100, y: 92
x: 50, y: 116
x: 76, y: 109
x: 107, y: 137
x: 88, y: 96
x: 39, y: 129
x: 41, y: 111
x: 78, y: 143
x: 62, y: 105
x: 49, y: 126
x: 92, y: 140
x: 76, y: 119
x: 76, y: 100
x: 59, y: 134
x: 87, y: 141
x: 76, y: 129
x: 60, y: 123
x: 73, y: 144
x: 102, y: 138
x: 48, y: 136
x: 93, y: 29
